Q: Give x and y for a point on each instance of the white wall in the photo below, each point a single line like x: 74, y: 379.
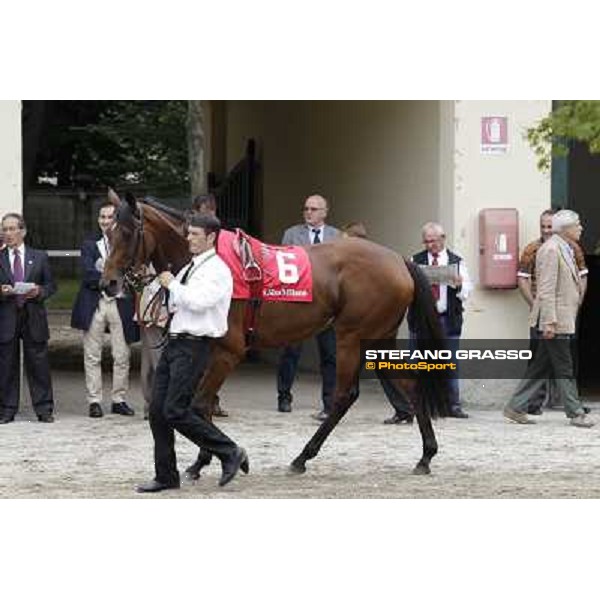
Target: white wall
x: 377, y: 162
x: 508, y: 180
x: 11, y: 188
x: 395, y: 165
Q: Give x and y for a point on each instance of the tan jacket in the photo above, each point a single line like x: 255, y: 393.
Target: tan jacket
x: 559, y: 290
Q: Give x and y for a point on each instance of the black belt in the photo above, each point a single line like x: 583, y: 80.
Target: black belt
x: 186, y: 336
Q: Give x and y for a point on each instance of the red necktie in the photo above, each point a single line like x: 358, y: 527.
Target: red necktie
x: 435, y: 287
x: 18, y: 275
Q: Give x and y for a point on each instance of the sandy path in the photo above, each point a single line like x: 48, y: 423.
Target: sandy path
x: 484, y: 457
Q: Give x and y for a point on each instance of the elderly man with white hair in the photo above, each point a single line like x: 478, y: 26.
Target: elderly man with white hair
x: 554, y: 311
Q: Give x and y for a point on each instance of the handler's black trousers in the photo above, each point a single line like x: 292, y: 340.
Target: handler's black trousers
x: 180, y: 367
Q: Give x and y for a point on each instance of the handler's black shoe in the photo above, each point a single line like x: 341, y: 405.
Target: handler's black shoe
x: 122, y: 408
x: 239, y: 460
x: 4, y: 419
x: 46, y: 418
x: 534, y: 410
x: 95, y: 410
x: 156, y: 486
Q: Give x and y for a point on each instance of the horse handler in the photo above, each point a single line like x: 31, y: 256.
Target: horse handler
x: 199, y: 298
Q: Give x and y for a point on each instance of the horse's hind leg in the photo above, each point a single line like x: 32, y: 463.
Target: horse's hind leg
x: 348, y: 362
x: 408, y: 388
x: 430, y: 446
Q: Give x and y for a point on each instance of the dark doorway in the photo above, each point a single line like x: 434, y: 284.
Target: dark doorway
x: 580, y: 191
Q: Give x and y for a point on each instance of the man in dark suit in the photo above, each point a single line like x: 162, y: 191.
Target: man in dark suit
x: 25, y: 283
x: 312, y: 231
x: 94, y: 312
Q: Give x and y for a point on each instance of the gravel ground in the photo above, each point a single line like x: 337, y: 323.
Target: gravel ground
x: 483, y: 457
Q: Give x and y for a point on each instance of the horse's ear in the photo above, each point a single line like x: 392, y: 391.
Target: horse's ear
x: 113, y: 197
x: 130, y: 199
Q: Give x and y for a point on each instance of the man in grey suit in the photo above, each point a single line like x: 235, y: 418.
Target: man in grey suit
x: 312, y: 231
x: 554, y: 312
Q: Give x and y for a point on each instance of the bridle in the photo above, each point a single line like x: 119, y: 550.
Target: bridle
x: 133, y: 276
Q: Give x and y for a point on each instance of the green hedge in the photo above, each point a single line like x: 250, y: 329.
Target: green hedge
x: 65, y: 296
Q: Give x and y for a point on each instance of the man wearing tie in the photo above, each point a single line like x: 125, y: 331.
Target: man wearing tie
x: 313, y: 231
x: 449, y: 301
x: 25, y: 283
x: 94, y: 312
x: 199, y: 300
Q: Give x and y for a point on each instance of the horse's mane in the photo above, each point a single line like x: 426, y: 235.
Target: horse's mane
x: 169, y: 210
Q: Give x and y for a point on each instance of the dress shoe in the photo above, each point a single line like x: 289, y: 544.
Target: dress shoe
x: 458, y: 413
x: 582, y: 421
x: 46, y: 418
x: 4, y: 419
x: 517, y: 417
x: 156, y: 486
x: 320, y: 416
x: 96, y: 410
x: 239, y: 460
x: 399, y: 420
x: 122, y: 408
x: 534, y: 410
x: 587, y: 410
x: 284, y: 404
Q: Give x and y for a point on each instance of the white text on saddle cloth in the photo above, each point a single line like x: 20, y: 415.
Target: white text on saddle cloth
x: 286, y: 270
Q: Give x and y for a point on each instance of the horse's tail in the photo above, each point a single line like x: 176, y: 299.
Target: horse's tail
x: 424, y: 321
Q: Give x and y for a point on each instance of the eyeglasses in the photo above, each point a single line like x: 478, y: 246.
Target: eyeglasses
x: 311, y: 208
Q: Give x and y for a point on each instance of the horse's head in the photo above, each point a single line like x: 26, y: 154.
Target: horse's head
x: 130, y: 248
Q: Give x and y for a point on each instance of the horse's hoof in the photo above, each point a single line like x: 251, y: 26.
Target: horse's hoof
x: 297, y: 468
x: 192, y: 475
x: 245, y: 466
x: 422, y: 470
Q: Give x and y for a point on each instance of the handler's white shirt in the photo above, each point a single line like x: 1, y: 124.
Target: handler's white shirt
x: 201, y: 305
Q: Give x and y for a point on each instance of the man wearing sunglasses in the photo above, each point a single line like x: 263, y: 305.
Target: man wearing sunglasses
x: 314, y: 230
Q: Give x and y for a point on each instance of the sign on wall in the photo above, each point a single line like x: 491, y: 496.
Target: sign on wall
x: 494, y: 135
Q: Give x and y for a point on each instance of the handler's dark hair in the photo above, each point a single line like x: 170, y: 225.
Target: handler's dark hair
x: 209, y: 223
x: 106, y: 204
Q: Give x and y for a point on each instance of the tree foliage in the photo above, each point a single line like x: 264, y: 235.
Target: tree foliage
x: 570, y: 120
x: 115, y: 142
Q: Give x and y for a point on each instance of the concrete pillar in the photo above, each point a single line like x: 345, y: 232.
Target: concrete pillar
x: 11, y: 180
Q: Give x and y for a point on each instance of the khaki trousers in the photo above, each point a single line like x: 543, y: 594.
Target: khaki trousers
x: 150, y: 337
x: 106, y: 315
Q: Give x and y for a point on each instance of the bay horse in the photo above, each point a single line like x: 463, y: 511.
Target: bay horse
x: 360, y: 287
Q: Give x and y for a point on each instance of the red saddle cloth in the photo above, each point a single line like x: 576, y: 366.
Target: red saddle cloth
x: 271, y: 273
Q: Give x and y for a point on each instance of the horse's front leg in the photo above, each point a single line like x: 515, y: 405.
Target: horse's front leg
x: 346, y: 393
x: 202, y: 405
x: 221, y: 364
